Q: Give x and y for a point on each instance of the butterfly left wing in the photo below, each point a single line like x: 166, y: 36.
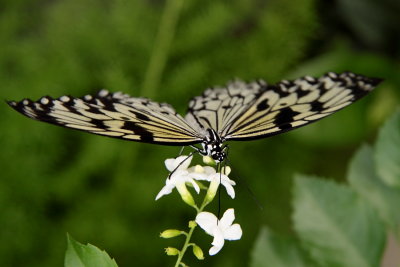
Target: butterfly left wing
x: 113, y: 114
x: 292, y: 104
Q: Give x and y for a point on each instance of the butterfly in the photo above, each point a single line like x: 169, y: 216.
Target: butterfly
x: 238, y: 111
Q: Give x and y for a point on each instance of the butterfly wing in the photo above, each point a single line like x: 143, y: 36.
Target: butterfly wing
x: 244, y: 111
x: 218, y: 107
x: 113, y: 114
x: 292, y: 104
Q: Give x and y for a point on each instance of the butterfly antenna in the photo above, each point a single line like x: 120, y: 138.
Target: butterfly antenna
x: 219, y: 190
x: 246, y: 185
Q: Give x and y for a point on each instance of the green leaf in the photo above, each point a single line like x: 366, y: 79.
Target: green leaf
x: 387, y: 151
x: 336, y: 226
x: 363, y: 179
x: 276, y: 251
x: 79, y: 255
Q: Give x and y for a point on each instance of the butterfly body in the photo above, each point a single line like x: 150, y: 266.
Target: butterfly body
x: 213, y: 146
x: 238, y: 111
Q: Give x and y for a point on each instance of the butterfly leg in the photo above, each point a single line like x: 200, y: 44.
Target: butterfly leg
x: 181, y: 151
x: 201, y: 151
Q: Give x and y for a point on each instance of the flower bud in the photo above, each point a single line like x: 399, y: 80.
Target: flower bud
x: 198, y: 169
x: 226, y: 170
x: 185, y: 195
x: 212, y: 191
x: 170, y: 233
x: 198, y: 252
x: 208, y: 160
x: 171, y: 251
x: 192, y: 224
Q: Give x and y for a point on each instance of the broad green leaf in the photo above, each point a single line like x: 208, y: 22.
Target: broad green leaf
x: 276, y: 251
x: 362, y: 177
x: 336, y: 226
x: 79, y: 255
x: 387, y: 151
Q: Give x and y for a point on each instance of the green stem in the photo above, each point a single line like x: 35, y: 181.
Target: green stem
x: 184, y: 248
x: 189, y: 235
x: 163, y: 40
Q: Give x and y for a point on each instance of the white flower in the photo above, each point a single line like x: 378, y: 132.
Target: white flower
x: 218, y: 178
x: 215, y: 178
x: 182, y: 174
x: 178, y: 178
x: 219, y: 229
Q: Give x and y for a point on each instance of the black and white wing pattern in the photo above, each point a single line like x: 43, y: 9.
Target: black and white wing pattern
x: 239, y: 111
x: 221, y: 106
x: 249, y: 111
x: 113, y: 114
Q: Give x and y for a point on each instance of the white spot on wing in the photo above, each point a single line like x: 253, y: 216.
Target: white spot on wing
x: 103, y: 93
x: 44, y: 100
x: 65, y: 98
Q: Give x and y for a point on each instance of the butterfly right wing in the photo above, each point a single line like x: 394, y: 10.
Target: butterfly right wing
x: 113, y: 114
x: 292, y: 104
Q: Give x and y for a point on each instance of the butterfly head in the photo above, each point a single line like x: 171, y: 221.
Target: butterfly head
x: 217, y: 153
x: 213, y: 146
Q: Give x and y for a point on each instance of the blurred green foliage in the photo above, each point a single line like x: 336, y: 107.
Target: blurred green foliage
x: 339, y: 224
x: 102, y: 190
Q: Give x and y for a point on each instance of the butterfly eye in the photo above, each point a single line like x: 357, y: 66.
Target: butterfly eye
x: 218, y: 156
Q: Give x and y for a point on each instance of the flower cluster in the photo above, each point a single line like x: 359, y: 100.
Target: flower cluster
x: 181, y: 176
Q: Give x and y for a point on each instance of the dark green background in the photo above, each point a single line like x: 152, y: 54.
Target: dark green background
x: 102, y: 190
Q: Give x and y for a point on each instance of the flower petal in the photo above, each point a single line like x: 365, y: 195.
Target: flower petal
x: 217, y: 243
x: 214, y: 250
x: 207, y: 221
x: 185, y: 162
x: 167, y: 189
x: 233, y: 233
x: 229, y: 189
x: 195, y: 185
x: 227, y: 219
x: 169, y: 164
x: 209, y: 170
x: 198, y: 176
x: 182, y: 161
x: 218, y: 237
